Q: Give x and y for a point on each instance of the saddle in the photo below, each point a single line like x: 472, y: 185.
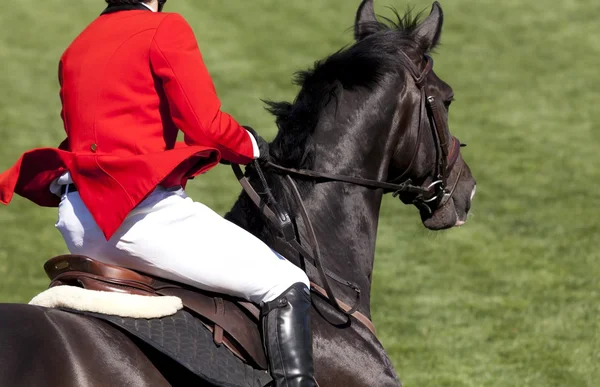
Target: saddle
x: 232, y: 321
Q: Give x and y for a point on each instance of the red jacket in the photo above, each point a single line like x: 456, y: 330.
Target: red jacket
x: 129, y: 81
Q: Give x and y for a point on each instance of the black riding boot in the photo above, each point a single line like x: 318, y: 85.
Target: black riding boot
x: 288, y: 339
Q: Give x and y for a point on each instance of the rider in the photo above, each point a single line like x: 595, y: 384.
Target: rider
x: 129, y: 82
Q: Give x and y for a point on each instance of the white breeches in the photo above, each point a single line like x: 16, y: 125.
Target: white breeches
x: 171, y: 236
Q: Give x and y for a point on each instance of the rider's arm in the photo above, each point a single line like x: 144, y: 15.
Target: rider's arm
x: 195, y: 108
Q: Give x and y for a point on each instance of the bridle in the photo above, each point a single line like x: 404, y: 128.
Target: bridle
x: 434, y: 194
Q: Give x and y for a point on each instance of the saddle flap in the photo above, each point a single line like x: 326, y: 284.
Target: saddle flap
x: 229, y: 316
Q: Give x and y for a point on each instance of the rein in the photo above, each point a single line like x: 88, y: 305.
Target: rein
x: 406, y: 186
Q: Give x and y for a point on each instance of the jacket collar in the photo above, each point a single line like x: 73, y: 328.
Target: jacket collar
x: 124, y: 7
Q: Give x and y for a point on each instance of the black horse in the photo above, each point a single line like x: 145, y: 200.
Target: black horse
x: 375, y: 111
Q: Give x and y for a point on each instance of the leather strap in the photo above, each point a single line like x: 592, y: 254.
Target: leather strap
x: 422, y: 77
x: 417, y: 142
x: 220, y: 312
x: 315, y: 175
x: 359, y: 316
x: 442, y: 142
x: 448, y: 194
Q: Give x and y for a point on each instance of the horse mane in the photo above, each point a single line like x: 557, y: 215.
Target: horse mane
x: 363, y: 64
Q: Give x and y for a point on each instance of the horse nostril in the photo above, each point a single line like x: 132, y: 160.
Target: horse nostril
x: 473, y: 192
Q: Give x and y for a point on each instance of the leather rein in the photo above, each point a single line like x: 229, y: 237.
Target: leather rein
x: 435, y: 192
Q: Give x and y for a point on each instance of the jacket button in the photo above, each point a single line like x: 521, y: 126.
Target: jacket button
x: 94, y: 147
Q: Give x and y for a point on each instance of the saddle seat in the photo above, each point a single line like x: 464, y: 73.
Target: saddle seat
x: 233, y: 322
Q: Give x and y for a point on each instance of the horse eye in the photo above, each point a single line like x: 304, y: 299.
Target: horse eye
x: 448, y: 102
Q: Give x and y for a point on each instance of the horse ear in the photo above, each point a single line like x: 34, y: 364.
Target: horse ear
x: 366, y: 21
x: 430, y: 30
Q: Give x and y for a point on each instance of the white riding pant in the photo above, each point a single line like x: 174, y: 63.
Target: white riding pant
x: 171, y: 236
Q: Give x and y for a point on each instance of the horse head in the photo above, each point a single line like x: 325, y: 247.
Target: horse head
x: 376, y: 110
x: 425, y: 152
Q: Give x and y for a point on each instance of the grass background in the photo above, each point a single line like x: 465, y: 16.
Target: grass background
x: 510, y: 299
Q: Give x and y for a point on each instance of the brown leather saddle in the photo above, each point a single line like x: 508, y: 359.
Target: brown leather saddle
x: 233, y: 322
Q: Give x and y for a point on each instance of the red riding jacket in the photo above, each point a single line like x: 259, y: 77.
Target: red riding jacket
x: 129, y: 81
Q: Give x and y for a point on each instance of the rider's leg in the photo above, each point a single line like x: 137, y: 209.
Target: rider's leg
x: 170, y: 235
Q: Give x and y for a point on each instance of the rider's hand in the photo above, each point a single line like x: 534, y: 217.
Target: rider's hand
x: 263, y: 145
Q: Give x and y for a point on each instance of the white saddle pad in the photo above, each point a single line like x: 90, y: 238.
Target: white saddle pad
x: 116, y: 304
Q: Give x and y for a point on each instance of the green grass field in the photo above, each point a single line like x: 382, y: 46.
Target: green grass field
x: 510, y: 299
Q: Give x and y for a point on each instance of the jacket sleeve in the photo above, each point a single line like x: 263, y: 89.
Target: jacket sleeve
x: 195, y: 108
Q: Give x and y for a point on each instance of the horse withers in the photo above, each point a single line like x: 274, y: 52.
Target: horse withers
x: 369, y: 120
